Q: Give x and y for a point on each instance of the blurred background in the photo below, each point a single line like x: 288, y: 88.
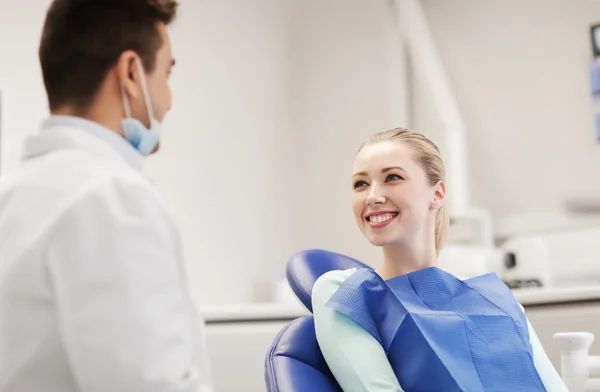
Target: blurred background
x: 273, y: 97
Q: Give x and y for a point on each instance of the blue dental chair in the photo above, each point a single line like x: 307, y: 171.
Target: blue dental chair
x: 294, y: 362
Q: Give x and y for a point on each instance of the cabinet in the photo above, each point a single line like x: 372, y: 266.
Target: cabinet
x: 237, y: 353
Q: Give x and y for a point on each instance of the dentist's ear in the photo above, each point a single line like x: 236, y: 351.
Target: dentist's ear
x: 127, y: 73
x: 439, y: 195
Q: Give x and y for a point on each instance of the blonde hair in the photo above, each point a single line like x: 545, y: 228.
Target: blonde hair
x: 428, y: 156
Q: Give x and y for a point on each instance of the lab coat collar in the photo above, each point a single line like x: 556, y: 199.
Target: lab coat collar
x: 67, y: 132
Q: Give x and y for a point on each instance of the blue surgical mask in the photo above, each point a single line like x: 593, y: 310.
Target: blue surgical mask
x: 140, y: 137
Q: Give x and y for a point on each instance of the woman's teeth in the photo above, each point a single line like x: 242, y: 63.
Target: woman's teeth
x: 381, y: 218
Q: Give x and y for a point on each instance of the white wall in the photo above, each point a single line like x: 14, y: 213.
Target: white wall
x: 341, y: 94
x: 226, y: 147
x: 20, y: 77
x: 520, y: 72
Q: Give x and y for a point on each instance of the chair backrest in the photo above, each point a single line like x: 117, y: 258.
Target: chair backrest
x: 294, y: 362
x: 305, y: 267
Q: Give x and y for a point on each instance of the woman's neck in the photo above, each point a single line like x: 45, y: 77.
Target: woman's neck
x: 401, y: 260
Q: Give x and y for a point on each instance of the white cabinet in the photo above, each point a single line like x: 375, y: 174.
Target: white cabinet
x: 237, y: 353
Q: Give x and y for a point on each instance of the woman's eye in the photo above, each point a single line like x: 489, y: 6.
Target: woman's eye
x: 393, y: 177
x: 359, y: 184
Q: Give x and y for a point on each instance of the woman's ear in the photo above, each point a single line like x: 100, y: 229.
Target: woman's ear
x: 439, y: 195
x: 127, y: 73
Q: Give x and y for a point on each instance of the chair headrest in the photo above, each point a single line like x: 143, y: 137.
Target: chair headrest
x: 304, y: 268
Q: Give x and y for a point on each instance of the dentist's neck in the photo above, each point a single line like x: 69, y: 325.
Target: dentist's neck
x: 106, y: 109
x: 111, y: 122
x: 403, y: 259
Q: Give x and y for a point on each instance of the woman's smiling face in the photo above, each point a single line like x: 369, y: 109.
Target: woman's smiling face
x: 391, y: 194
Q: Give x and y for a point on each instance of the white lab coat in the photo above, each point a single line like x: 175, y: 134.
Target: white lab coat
x: 93, y: 296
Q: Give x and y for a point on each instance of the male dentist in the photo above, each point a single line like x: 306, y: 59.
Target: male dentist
x: 93, y: 295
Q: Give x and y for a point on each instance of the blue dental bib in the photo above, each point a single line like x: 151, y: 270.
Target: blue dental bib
x: 442, y: 334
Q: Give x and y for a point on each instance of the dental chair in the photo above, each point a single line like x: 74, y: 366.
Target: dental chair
x: 294, y: 362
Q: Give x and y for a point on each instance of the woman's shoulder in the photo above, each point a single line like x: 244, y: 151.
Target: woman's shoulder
x: 336, y: 278
x: 328, y: 283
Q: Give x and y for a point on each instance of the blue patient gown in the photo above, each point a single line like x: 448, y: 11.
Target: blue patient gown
x: 442, y: 334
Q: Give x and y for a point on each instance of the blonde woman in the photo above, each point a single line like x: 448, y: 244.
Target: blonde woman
x: 409, y: 326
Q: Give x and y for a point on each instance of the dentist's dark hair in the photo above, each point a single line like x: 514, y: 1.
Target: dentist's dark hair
x: 83, y: 39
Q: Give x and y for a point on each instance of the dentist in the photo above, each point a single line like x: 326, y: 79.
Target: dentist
x: 93, y: 294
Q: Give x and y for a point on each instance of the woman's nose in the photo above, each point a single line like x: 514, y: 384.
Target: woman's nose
x: 375, y: 197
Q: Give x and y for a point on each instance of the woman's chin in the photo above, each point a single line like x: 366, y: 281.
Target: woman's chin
x: 381, y: 241
x: 385, y: 239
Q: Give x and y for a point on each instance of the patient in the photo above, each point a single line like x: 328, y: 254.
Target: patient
x: 409, y: 326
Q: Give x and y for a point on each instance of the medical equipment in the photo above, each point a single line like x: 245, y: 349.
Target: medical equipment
x: 595, y: 87
x: 555, y: 250
x: 595, y: 37
x: 577, y: 365
x: 469, y: 250
x: 595, y: 75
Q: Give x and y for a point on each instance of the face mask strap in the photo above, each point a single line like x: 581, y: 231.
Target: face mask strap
x: 125, y: 103
x: 145, y: 89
